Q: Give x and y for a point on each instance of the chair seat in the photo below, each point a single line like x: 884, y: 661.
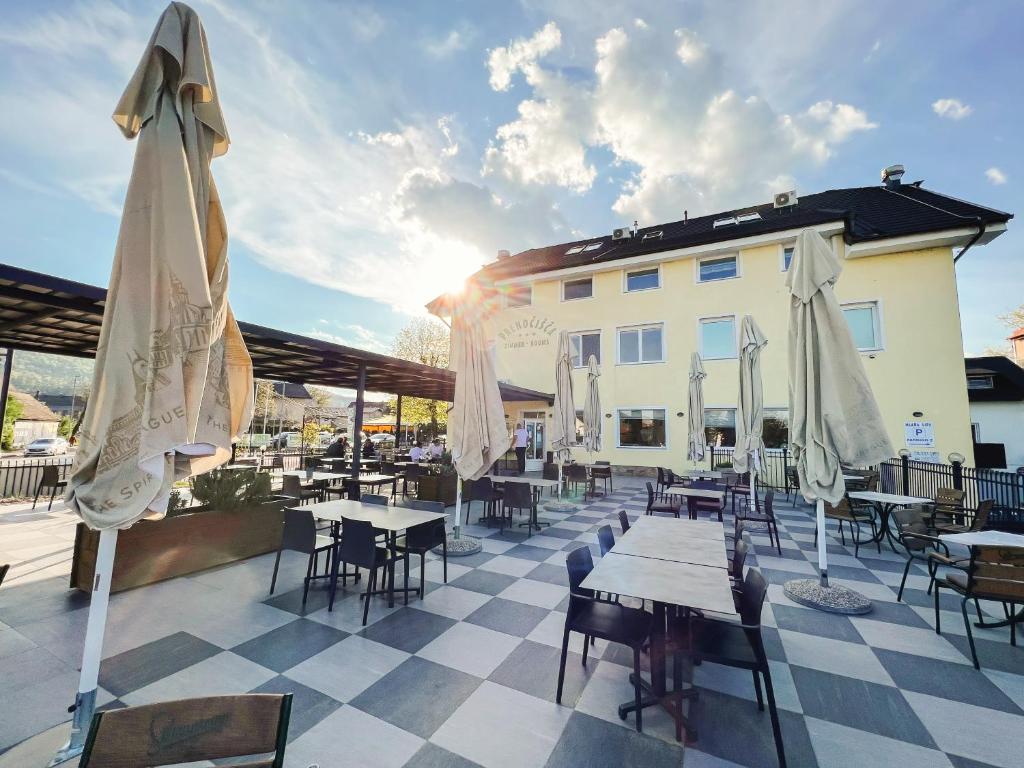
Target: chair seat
x: 323, y: 542
x: 671, y: 509
x: 957, y: 580
x: 850, y: 517
x: 614, y: 622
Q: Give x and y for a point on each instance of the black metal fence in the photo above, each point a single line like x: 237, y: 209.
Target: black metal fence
x: 773, y: 465
x: 20, y: 477
x: 922, y: 478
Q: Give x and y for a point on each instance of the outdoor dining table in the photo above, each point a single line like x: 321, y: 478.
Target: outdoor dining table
x: 700, y: 493
x: 537, y: 484
x: 390, y: 520
x: 885, y: 503
x: 990, y: 539
x: 643, y: 565
x: 702, y: 474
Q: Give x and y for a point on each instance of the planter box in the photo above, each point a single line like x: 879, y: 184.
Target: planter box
x: 437, y: 488
x: 155, y: 550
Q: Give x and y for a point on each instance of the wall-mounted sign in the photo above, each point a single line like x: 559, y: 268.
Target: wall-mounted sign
x: 527, y: 332
x: 920, y: 434
x: 932, y: 457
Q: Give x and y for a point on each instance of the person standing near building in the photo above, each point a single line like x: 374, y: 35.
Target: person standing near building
x: 520, y: 441
x: 417, y: 453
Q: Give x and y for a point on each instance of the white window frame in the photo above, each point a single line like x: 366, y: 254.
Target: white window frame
x: 990, y: 379
x: 577, y: 280
x: 600, y: 346
x: 782, y: 255
x: 618, y: 430
x: 876, y: 305
x: 640, y: 347
x: 713, y: 318
x: 627, y: 272
x: 717, y: 257
x: 529, y: 287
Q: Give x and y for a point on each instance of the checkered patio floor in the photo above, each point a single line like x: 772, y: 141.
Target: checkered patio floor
x: 467, y: 676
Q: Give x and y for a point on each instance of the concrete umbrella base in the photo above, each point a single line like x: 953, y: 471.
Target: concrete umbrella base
x: 832, y: 599
x: 560, y: 506
x: 463, y: 546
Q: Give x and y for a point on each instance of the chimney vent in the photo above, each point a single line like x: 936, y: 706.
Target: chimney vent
x: 503, y: 254
x: 891, y: 176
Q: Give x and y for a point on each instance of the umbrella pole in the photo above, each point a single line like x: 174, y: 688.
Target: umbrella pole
x: 458, y: 506
x: 822, y: 542
x: 85, y: 699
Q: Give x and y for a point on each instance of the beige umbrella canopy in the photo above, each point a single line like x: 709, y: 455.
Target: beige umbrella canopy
x: 697, y: 439
x: 173, y: 380
x: 750, y: 405
x: 563, y: 430
x: 592, y: 409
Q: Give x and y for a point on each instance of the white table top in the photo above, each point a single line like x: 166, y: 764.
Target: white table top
x: 888, y: 498
x: 676, y: 542
x: 301, y: 474
x: 386, y: 518
x: 537, y: 482
x: 984, y: 539
x: 663, y: 581
x: 713, y: 474
x: 701, y: 493
x: 371, y: 479
x: 236, y: 467
x: 853, y: 477
x: 694, y: 529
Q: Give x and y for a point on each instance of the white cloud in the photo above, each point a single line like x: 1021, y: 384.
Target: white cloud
x: 456, y: 40
x: 521, y: 54
x: 951, y: 109
x: 996, y: 176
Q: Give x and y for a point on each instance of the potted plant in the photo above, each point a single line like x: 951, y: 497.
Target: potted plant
x: 237, y: 518
x: 439, y: 483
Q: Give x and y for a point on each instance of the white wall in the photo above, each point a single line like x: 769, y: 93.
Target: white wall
x: 1002, y: 423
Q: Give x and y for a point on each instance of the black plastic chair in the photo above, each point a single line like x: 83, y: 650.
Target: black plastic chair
x: 605, y: 539
x: 764, y: 514
x: 659, y: 507
x: 299, y: 535
x: 291, y: 486
x: 695, y: 505
x: 605, y: 619
x: 481, y: 490
x: 740, y: 646
x: 420, y: 539
x: 516, y: 496
x: 623, y: 520
x: 576, y: 475
x: 913, y: 533
x: 375, y: 498
x: 50, y: 479
x: 411, y: 477
x: 550, y: 472
x: 736, y: 563
x: 604, y: 474
x: 359, y: 548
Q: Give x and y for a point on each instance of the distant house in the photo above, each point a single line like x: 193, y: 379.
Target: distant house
x: 995, y: 389
x: 1017, y: 345
x: 63, y: 405
x: 289, y: 403
x: 35, y: 421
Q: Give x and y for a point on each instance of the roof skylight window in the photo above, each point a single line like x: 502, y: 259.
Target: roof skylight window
x: 574, y: 249
x: 592, y: 247
x: 744, y: 217
x: 656, y: 235
x: 725, y: 222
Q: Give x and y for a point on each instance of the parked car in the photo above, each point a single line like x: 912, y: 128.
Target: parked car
x: 283, y: 440
x: 382, y: 437
x: 47, y: 446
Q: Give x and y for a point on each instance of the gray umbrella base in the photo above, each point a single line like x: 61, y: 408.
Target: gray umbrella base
x: 832, y: 599
x: 560, y: 506
x: 463, y: 546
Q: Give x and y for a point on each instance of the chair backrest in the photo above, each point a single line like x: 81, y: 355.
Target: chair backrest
x: 997, y: 573
x: 576, y: 472
x: 428, y: 534
x: 579, y: 563
x: 981, y: 514
x: 518, y: 496
x: 3, y: 571
x: 291, y: 485
x: 752, y: 597
x: 650, y: 495
x: 739, y: 557
x: 374, y: 498
x: 605, y: 539
x: 51, y: 475
x: 358, y: 543
x: 949, y: 499
x: 190, y: 730
x: 478, y: 490
x: 840, y: 508
x: 910, y: 520
x: 427, y: 506
x: 623, y: 520
x: 769, y: 502
x: 871, y: 481
x: 550, y: 471
x: 413, y: 472
x: 604, y: 463
x: 299, y: 533
x: 661, y: 475
x: 601, y: 471
x: 737, y: 528
x: 387, y: 467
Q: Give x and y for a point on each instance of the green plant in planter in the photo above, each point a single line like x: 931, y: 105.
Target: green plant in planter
x: 228, y: 491
x: 176, y: 503
x: 724, y: 465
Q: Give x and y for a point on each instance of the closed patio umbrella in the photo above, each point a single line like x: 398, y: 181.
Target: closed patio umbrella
x: 834, y: 419
x: 750, y: 405
x: 172, y: 386
x: 476, y: 421
x: 563, y: 428
x: 592, y: 409
x: 697, y: 439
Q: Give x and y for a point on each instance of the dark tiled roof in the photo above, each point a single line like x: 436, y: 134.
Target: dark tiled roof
x: 1007, y: 379
x: 869, y: 213
x: 32, y: 409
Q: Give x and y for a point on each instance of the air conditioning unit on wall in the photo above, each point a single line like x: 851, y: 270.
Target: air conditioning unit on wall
x: 785, y: 199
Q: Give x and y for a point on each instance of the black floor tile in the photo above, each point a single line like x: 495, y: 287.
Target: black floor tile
x: 552, y: 574
x: 526, y: 552
x: 23, y: 603
x: 309, y: 706
x: 417, y: 695
x: 407, y: 629
x: 562, y: 533
x: 508, y: 616
x: 131, y: 670
x: 484, y: 581
x: 291, y: 601
x: 894, y: 613
x: 992, y: 654
x: 945, y: 679
x: 432, y: 756
x: 588, y: 741
x: 533, y: 668
x: 282, y: 648
x: 812, y: 622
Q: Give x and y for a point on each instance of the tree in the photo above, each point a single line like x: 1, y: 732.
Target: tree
x: 11, y: 415
x: 1013, y: 320
x: 65, y: 427
x: 426, y: 341
x: 321, y: 397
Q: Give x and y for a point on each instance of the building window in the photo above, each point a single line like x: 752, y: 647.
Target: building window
x: 980, y: 382
x: 865, y: 326
x: 721, y: 268
x: 720, y: 427
x: 775, y: 427
x: 975, y: 432
x: 579, y: 426
x: 578, y: 289
x: 787, y: 257
x: 582, y: 346
x: 519, y: 296
x: 642, y: 428
x: 643, y: 280
x: 642, y: 344
x: 718, y: 338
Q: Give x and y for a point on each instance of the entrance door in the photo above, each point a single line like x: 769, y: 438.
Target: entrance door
x: 534, y: 422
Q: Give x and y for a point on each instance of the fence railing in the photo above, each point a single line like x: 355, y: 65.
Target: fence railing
x: 922, y: 478
x: 20, y: 477
x: 773, y: 465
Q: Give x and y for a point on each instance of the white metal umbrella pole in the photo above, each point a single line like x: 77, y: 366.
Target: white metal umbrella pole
x: 85, y: 699
x: 822, y: 542
x: 458, y: 505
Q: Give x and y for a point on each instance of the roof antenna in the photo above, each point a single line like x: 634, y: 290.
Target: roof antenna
x: 635, y: 227
x: 686, y: 216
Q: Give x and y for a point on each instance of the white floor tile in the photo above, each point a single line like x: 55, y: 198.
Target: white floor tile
x: 225, y: 673
x: 538, y: 593
x: 837, y: 746
x: 346, y: 669
x: 469, y: 648
x: 510, y: 566
x: 835, y: 656
x: 991, y: 737
x: 350, y: 737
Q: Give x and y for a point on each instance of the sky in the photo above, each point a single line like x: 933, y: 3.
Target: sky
x: 382, y: 152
